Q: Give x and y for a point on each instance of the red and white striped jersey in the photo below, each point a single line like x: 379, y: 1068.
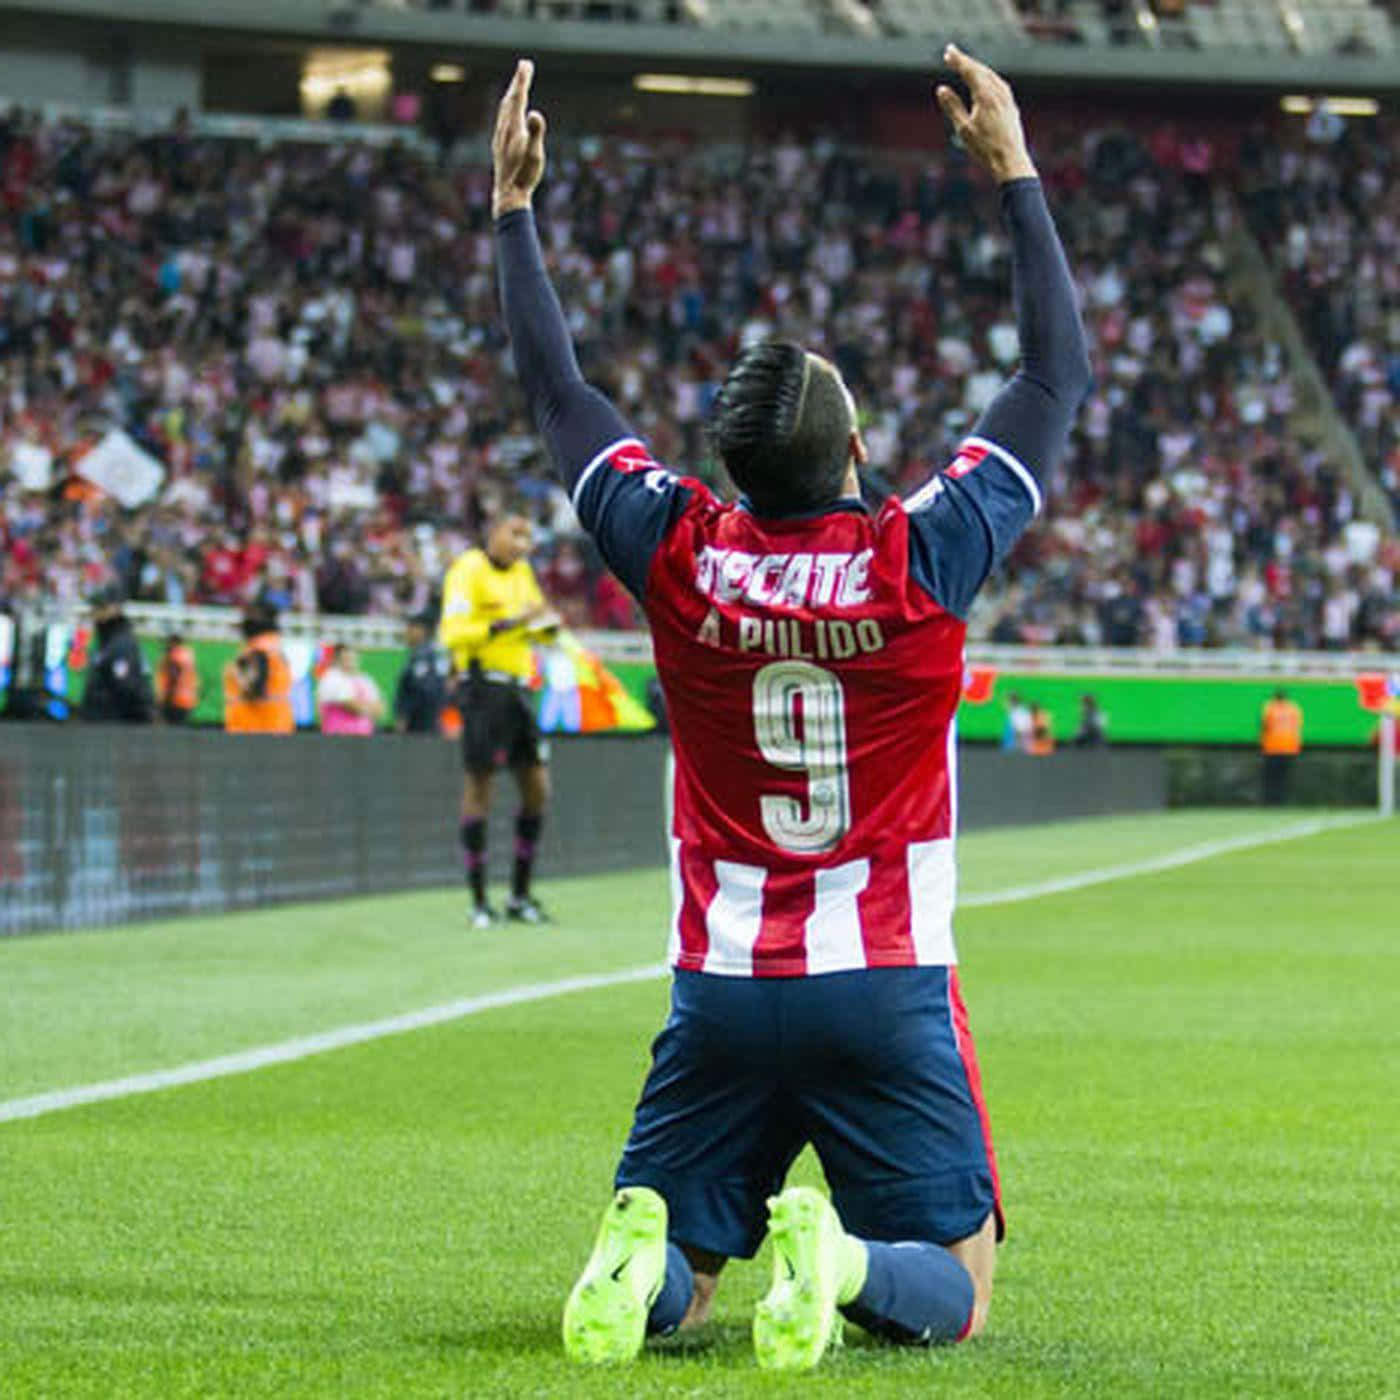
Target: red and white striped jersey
x: 812, y: 668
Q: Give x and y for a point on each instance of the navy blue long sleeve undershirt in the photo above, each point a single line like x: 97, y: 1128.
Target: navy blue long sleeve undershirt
x: 966, y: 520
x: 1032, y: 414
x: 575, y: 420
x: 960, y: 529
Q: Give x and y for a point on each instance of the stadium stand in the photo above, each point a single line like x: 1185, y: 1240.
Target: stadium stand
x: 1327, y: 203
x: 321, y: 371
x: 1262, y: 26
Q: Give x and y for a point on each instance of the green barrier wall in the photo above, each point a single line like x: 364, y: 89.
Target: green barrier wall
x: 210, y: 658
x: 1146, y: 709
x: 1173, y: 710
x: 1139, y: 709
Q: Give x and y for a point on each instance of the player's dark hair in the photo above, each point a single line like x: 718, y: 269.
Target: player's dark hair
x: 782, y: 426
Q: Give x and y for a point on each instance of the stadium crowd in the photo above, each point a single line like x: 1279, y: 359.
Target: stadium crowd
x: 307, y: 338
x: 1328, y: 202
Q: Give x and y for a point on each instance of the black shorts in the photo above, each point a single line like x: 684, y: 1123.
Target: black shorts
x: 498, y: 727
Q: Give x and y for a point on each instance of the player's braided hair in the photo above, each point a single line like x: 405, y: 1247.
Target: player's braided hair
x: 782, y: 425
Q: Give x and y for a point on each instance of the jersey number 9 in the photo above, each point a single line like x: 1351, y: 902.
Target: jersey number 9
x: 799, y: 720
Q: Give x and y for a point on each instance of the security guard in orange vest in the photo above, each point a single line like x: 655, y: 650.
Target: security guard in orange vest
x: 1280, y: 742
x: 258, y: 681
x: 492, y: 612
x: 177, y: 681
x: 1041, y: 742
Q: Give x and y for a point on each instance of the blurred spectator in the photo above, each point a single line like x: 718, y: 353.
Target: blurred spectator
x: 423, y: 683
x: 1016, y: 732
x: 1093, y: 728
x: 1051, y: 20
x: 349, y: 701
x: 118, y: 688
x: 1041, y: 742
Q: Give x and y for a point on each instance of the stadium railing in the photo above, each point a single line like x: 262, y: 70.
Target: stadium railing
x: 229, y: 126
x: 222, y: 623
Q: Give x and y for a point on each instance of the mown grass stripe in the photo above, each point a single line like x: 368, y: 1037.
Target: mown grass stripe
x: 303, y: 1047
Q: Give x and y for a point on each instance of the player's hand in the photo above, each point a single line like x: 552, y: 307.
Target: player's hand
x: 517, y: 147
x: 991, y: 130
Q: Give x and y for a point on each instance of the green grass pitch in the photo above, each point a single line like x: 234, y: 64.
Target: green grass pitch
x: 1192, y: 1077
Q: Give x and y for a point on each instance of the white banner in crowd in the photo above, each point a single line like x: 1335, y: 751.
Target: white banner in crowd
x: 32, y: 465
x: 122, y: 469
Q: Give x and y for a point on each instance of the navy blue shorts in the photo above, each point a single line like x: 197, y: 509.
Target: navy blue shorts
x: 875, y: 1068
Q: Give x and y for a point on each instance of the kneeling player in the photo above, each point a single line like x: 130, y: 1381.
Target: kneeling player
x: 875, y: 1068
x: 811, y: 653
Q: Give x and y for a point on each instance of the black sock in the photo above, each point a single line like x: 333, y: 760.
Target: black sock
x: 474, y: 849
x: 527, y: 840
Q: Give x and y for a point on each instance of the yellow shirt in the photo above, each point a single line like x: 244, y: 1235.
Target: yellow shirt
x: 474, y: 595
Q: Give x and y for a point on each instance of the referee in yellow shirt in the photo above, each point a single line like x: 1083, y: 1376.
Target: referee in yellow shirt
x: 492, y: 610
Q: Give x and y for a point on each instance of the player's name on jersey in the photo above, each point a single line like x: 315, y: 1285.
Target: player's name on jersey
x: 823, y: 639
x: 833, y: 580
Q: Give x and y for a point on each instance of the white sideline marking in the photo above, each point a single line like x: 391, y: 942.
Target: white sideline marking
x: 303, y: 1047
x: 287, y: 1051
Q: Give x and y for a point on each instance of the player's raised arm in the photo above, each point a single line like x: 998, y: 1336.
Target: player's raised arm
x: 967, y: 519
x: 1031, y: 417
x: 576, y: 421
x: 622, y: 498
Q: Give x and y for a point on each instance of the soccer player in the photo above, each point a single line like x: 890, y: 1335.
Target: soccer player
x: 812, y: 656
x: 492, y: 610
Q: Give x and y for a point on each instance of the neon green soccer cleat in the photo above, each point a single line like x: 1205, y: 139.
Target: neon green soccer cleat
x: 605, y: 1318
x: 816, y: 1265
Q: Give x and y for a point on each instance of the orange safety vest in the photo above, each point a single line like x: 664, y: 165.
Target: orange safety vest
x: 177, y: 680
x: 273, y: 713
x: 1282, y: 729
x: 1042, y: 739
